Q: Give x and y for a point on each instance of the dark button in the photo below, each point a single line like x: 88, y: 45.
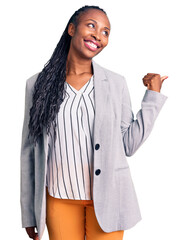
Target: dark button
x: 97, y: 146
x: 98, y: 171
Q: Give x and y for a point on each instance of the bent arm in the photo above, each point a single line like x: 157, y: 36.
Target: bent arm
x: 27, y: 167
x: 136, y: 131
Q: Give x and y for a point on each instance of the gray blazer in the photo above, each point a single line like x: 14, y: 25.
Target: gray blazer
x: 116, y: 135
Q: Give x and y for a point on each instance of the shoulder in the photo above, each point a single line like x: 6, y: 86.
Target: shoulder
x: 31, y: 81
x: 111, y: 74
x: 114, y: 78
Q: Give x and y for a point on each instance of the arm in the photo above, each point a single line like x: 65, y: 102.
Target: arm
x: 27, y: 167
x: 135, y: 132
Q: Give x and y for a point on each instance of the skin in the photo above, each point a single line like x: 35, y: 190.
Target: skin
x: 153, y: 81
x: 93, y: 25
x: 79, y: 69
x: 31, y: 233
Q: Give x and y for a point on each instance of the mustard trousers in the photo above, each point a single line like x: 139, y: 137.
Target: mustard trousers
x: 68, y: 219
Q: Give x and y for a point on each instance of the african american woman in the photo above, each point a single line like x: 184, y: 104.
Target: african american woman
x: 78, y: 130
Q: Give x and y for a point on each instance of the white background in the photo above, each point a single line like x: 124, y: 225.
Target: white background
x: 146, y: 36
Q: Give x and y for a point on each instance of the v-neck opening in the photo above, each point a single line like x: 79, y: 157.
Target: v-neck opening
x: 81, y: 89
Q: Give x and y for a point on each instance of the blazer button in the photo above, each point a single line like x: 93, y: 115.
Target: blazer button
x: 97, y: 146
x: 98, y: 171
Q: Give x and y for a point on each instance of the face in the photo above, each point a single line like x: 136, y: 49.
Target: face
x: 91, y: 35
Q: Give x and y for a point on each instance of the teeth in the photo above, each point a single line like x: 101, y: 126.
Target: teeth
x: 92, y: 44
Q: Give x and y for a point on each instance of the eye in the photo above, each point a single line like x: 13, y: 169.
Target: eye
x: 106, y: 33
x: 91, y: 24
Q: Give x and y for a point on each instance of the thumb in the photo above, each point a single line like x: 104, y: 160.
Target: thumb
x: 163, y: 78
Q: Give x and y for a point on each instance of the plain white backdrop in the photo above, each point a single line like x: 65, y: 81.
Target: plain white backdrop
x: 146, y: 36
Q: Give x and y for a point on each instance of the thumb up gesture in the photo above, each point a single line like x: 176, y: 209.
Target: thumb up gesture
x: 153, y: 81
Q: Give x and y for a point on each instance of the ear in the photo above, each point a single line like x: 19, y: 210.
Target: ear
x: 71, y: 29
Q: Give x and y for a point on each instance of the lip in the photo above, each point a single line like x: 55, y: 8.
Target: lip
x: 93, y: 41
x: 90, y: 47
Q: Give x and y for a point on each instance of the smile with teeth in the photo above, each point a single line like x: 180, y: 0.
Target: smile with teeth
x: 90, y: 45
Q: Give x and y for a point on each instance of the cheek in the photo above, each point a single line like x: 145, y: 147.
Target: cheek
x: 77, y: 41
x: 105, y: 42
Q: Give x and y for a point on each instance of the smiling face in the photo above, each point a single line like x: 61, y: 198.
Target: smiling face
x: 91, y: 35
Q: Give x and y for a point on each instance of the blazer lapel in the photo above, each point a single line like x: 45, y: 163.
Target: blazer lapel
x: 101, y: 91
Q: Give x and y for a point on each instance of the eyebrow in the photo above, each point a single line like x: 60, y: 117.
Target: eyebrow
x: 96, y: 23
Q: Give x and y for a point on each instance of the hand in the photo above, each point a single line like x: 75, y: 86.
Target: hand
x: 153, y: 81
x: 31, y: 233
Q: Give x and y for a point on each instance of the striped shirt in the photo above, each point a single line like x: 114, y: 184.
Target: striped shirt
x: 70, y: 157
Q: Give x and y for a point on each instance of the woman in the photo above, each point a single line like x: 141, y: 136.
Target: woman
x: 78, y: 129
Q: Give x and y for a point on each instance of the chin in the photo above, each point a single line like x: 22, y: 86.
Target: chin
x: 91, y: 55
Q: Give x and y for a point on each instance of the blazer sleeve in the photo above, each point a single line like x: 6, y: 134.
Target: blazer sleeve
x: 27, y: 166
x: 136, y: 131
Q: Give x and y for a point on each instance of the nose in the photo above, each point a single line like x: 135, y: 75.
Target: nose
x: 96, y: 36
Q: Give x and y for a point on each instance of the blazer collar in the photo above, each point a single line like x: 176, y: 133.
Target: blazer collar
x: 101, y: 90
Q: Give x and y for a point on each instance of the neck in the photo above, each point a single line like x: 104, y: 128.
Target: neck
x: 76, y: 66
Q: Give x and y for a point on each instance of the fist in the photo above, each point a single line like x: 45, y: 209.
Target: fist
x: 153, y: 81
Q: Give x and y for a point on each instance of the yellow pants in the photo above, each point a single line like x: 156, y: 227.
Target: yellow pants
x: 68, y: 219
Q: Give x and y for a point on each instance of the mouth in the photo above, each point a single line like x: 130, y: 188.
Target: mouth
x: 91, y: 46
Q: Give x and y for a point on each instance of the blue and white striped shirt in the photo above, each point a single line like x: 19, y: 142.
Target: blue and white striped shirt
x: 70, y: 158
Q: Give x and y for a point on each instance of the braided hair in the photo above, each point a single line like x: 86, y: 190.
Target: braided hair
x: 49, y: 90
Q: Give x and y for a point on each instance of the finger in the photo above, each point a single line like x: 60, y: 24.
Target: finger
x: 30, y: 232
x: 150, y: 76
x: 36, y: 237
x: 32, y: 235
x: 152, y: 73
x: 146, y: 78
x: 163, y: 78
x: 145, y: 83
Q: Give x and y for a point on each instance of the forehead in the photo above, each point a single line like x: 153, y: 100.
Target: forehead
x: 97, y: 15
